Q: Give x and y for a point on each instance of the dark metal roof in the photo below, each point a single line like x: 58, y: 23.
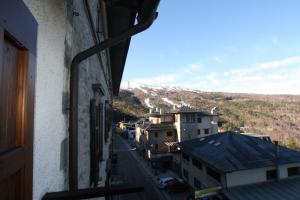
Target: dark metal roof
x: 163, y: 126
x: 185, y: 109
x: 285, y: 189
x: 232, y: 151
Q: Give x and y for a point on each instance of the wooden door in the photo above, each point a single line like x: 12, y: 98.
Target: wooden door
x: 12, y: 150
x: 17, y: 80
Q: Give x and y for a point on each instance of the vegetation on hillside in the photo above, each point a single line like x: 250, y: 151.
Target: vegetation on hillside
x: 275, y: 115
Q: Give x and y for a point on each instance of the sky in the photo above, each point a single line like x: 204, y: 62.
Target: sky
x: 249, y: 46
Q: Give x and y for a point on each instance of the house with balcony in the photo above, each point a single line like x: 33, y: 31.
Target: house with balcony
x: 242, y: 165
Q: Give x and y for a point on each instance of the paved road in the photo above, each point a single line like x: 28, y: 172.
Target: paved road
x: 131, y: 171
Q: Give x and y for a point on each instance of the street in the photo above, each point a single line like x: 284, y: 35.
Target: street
x: 132, y: 172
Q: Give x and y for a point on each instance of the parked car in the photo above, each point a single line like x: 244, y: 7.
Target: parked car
x: 163, y: 182
x: 176, y: 186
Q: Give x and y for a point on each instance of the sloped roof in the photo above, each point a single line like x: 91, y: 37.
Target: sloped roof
x: 164, y: 126
x: 232, y: 151
x: 285, y: 189
x: 185, y: 109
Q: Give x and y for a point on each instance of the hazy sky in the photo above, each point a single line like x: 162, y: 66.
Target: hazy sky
x: 220, y: 45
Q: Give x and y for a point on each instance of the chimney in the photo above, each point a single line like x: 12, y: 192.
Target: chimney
x: 277, y: 157
x: 276, y: 150
x: 161, y: 111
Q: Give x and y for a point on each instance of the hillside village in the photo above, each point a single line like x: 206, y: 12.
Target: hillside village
x: 276, y: 116
x: 203, y: 149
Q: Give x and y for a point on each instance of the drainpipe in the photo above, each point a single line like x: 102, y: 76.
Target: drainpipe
x: 146, y: 22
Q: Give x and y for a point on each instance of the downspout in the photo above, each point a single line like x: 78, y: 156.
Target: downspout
x: 74, y: 82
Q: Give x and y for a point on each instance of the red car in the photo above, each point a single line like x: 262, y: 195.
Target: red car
x: 177, y: 186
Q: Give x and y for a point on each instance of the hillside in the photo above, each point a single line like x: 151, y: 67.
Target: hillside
x: 275, y: 115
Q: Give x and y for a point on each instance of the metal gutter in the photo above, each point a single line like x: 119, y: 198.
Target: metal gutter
x: 146, y: 21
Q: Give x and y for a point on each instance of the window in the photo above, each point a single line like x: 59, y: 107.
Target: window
x: 169, y: 133
x: 192, y: 118
x: 185, y: 156
x: 212, y: 173
x: 199, y: 118
x: 197, y: 163
x: 183, y: 118
x: 293, y: 171
x: 186, y: 174
x: 197, y: 183
x: 206, y: 131
x: 271, y: 174
x: 199, y: 131
x: 156, y: 134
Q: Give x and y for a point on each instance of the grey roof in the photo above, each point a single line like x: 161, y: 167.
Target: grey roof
x: 285, y: 189
x: 163, y: 126
x: 186, y: 109
x: 232, y: 151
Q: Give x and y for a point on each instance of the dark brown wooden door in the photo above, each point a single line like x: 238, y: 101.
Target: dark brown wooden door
x: 18, y: 33
x: 15, y: 128
x: 12, y: 151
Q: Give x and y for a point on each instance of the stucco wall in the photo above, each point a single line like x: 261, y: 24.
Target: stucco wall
x: 200, y: 174
x: 63, y: 31
x: 50, y: 131
x: 187, y: 131
x: 255, y: 175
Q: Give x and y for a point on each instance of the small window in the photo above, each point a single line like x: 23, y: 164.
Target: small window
x: 192, y: 118
x: 185, y: 156
x: 156, y: 134
x: 271, y: 174
x: 199, y: 131
x: 197, y: 183
x: 206, y: 131
x: 199, y: 119
x: 293, y: 171
x: 186, y: 174
x: 197, y: 163
x: 169, y: 133
x: 212, y: 173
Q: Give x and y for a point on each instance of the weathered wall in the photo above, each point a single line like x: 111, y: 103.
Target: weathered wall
x: 63, y: 32
x: 50, y: 131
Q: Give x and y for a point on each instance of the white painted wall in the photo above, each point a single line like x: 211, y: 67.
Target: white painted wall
x: 61, y: 35
x: 255, y: 175
x: 188, y: 131
x: 50, y: 130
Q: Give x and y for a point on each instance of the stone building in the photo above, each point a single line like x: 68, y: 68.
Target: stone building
x: 167, y: 127
x: 59, y: 91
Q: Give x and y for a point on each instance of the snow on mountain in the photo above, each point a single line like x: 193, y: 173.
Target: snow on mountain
x: 169, y: 102
x: 147, y: 102
x: 182, y: 103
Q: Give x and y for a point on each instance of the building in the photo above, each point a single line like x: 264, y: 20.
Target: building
x: 232, y: 160
x: 192, y: 123
x: 166, y: 128
x: 63, y: 62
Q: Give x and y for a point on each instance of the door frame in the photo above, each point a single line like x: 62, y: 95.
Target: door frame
x: 17, y: 23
